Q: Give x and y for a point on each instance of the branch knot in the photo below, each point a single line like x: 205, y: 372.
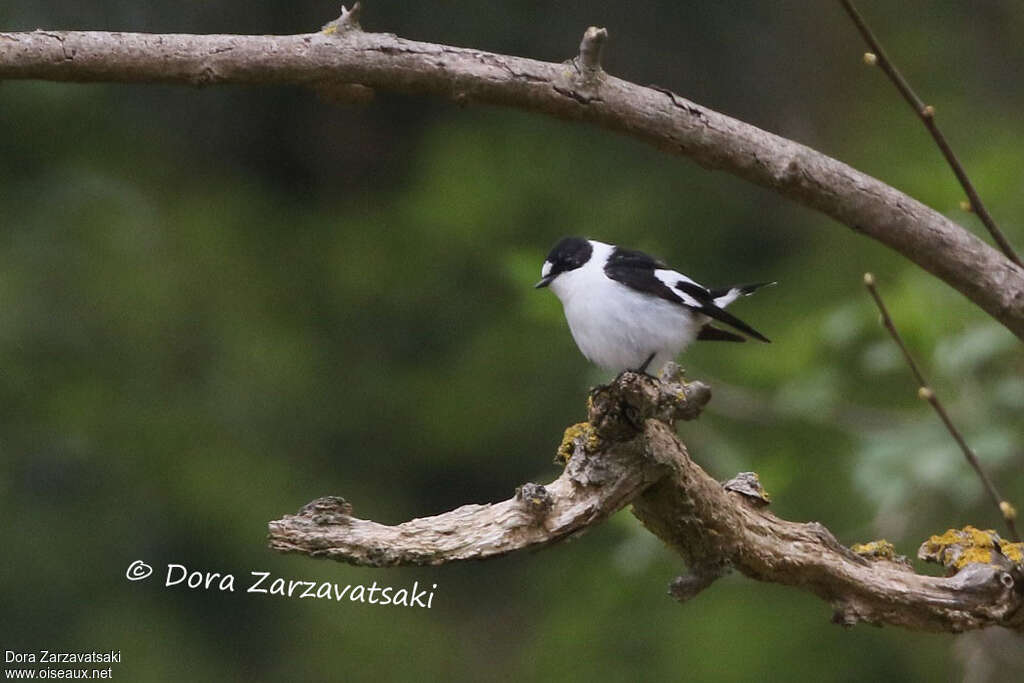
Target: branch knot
x: 748, y: 484
x: 535, y: 499
x: 327, y: 510
x: 687, y: 586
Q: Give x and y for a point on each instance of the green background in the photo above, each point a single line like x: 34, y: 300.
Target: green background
x: 219, y: 304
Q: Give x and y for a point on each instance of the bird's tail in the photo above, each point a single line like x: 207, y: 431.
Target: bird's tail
x: 726, y: 295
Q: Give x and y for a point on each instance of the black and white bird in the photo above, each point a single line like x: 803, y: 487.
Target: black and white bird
x: 629, y: 311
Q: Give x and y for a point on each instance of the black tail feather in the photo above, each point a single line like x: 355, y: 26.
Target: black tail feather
x: 729, y: 319
x: 745, y: 290
x: 711, y: 333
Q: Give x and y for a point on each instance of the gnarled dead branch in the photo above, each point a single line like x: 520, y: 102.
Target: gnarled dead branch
x: 628, y: 452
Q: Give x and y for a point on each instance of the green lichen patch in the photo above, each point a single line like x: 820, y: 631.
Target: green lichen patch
x: 581, y: 434
x: 957, y: 548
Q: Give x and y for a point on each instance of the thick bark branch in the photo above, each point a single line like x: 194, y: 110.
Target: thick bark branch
x: 708, y: 526
x: 628, y: 453
x: 572, y: 90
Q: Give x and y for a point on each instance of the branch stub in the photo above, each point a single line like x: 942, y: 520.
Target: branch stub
x: 591, y: 48
x: 748, y: 484
x: 348, y: 21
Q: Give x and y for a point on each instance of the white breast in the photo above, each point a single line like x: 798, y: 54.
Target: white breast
x: 617, y: 327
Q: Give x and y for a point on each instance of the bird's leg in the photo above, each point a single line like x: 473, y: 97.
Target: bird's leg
x: 643, y: 368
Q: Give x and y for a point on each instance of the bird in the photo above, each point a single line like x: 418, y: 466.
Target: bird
x: 629, y: 311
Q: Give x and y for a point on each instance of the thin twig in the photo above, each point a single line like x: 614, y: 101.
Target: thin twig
x: 927, y: 115
x: 925, y: 392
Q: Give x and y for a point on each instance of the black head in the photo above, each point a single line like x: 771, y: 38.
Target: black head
x: 569, y: 254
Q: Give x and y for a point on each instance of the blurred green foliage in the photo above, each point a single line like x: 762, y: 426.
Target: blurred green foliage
x: 217, y: 305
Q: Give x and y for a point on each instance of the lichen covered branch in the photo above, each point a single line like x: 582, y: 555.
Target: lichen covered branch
x: 627, y: 452
x: 710, y: 526
x: 589, y: 490
x: 577, y: 90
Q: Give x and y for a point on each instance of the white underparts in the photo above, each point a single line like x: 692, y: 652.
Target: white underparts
x: 617, y: 327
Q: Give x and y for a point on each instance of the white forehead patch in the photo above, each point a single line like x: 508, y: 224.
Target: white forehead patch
x: 545, y: 269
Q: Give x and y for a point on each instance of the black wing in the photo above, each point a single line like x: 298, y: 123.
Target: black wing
x: 638, y: 270
x: 635, y: 269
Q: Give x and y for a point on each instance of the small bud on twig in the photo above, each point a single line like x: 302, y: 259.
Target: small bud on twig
x: 927, y: 113
x: 925, y: 393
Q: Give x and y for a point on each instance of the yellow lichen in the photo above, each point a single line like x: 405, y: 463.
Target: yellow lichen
x: 1014, y: 552
x: 330, y: 29
x: 579, y: 432
x: 957, y: 548
x: 880, y: 549
x: 969, y: 555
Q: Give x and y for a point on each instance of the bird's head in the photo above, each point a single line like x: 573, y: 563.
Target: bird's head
x: 569, y: 254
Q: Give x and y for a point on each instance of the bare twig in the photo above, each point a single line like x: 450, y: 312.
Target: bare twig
x: 629, y: 453
x: 925, y: 392
x: 927, y: 115
x: 655, y: 116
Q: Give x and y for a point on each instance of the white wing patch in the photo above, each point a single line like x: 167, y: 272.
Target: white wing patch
x: 671, y: 278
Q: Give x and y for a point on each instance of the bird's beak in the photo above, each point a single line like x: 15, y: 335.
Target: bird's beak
x: 544, y: 281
